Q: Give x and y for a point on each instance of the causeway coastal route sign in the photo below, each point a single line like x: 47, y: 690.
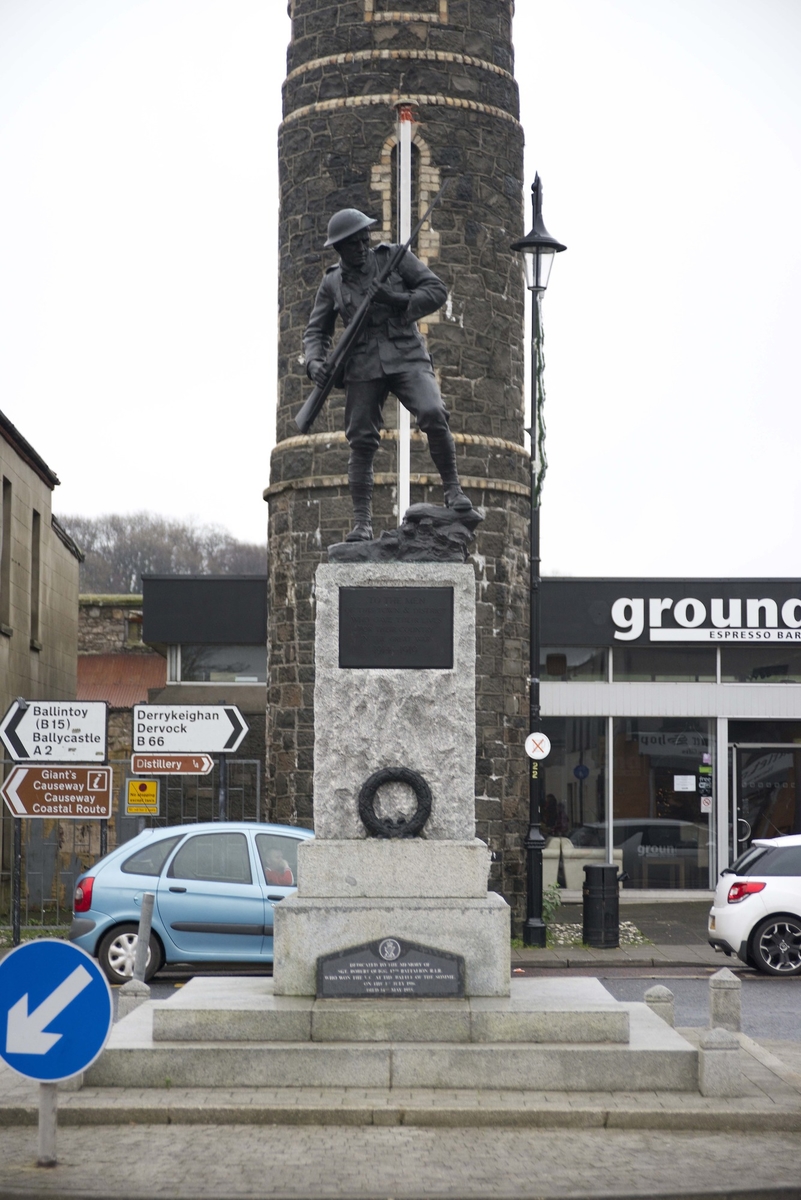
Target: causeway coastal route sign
x: 72, y: 793
x: 57, y: 730
x: 187, y: 728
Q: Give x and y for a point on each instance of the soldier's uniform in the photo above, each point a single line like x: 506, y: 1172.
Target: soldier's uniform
x: 389, y: 356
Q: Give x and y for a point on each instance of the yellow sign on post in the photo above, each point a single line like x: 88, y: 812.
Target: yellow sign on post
x: 142, y: 799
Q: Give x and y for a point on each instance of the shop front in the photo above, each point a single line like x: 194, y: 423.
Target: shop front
x: 674, y: 713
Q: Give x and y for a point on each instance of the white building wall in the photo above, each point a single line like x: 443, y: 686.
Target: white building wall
x: 732, y: 700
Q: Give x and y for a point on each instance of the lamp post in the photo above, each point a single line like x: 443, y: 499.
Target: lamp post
x: 538, y: 249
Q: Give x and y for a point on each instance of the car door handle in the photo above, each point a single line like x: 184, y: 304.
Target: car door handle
x: 177, y: 889
x: 275, y: 897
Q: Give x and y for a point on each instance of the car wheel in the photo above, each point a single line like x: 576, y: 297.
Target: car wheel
x: 776, y: 946
x: 117, y: 952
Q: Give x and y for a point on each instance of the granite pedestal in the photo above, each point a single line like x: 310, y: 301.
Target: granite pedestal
x: 354, y: 888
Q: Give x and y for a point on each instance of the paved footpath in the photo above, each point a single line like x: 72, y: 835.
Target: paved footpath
x: 301, y: 1163
x: 351, y: 1144
x: 302, y: 1144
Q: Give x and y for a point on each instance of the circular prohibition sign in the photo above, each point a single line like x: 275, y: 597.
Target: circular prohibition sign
x: 538, y: 745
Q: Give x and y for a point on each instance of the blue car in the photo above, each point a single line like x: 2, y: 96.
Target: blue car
x: 215, y: 888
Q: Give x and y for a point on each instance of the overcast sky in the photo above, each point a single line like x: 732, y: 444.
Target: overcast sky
x: 138, y: 214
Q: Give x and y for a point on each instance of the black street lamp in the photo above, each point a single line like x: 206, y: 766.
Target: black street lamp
x: 538, y: 249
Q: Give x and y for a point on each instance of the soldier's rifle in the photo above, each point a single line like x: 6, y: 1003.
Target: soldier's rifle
x: 338, y: 357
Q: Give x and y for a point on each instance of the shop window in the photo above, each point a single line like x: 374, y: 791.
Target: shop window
x: 771, y: 663
x: 765, y: 732
x: 575, y: 779
x: 663, y: 799
x: 584, y: 664
x: 662, y: 664
x: 217, y: 664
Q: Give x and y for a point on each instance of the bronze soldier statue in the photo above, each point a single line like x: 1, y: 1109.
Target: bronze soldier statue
x: 389, y: 356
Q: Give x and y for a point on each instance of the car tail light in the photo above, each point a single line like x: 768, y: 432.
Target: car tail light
x: 83, y: 895
x: 739, y: 891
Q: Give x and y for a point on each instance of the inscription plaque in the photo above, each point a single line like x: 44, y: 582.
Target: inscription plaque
x: 389, y: 967
x: 396, y: 627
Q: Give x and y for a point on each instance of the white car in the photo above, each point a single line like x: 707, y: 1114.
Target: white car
x: 756, y: 913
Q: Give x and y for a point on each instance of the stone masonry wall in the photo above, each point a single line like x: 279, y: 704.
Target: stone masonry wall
x: 111, y: 625
x: 349, y: 63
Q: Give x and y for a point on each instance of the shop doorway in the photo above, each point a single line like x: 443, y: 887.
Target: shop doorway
x: 766, y: 781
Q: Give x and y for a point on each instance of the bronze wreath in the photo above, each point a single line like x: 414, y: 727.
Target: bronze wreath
x: 400, y: 827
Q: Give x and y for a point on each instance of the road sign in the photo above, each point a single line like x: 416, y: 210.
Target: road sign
x: 142, y: 798
x: 581, y: 771
x: 538, y: 746
x: 72, y: 793
x: 171, y: 764
x: 55, y: 1012
x: 59, y: 730
x: 187, y: 728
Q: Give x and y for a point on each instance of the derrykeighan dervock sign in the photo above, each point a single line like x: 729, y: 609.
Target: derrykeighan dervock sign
x: 612, y: 611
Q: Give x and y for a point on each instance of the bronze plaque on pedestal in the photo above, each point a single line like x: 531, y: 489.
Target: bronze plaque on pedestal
x: 396, y: 627
x: 389, y: 968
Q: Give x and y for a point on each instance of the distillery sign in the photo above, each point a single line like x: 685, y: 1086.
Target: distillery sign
x: 713, y: 619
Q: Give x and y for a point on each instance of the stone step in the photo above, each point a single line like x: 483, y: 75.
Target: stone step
x: 247, y: 1010
x: 655, y: 1058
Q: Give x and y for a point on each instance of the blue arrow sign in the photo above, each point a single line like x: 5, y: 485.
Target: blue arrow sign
x: 55, y: 1010
x: 581, y: 772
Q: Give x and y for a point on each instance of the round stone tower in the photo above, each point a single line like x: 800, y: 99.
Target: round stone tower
x: 350, y: 64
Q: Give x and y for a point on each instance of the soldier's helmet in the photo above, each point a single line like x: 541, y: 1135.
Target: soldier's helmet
x: 346, y: 222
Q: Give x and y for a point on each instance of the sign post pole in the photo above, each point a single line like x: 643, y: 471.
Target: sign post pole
x: 16, y: 902
x: 223, y: 789
x: 48, y: 1124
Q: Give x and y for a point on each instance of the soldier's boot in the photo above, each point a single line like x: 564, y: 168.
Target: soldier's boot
x: 360, y: 483
x: 443, y: 451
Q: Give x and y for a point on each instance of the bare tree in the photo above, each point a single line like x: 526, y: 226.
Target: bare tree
x: 120, y: 549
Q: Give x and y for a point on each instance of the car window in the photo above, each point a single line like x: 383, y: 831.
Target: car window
x: 279, y: 858
x: 747, y: 861
x: 778, y: 860
x: 215, y: 857
x: 148, y: 860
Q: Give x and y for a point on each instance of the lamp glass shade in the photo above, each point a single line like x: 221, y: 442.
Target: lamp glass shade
x: 538, y: 262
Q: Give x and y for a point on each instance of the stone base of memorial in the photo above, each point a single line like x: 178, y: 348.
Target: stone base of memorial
x: 395, y: 859
x: 308, y: 929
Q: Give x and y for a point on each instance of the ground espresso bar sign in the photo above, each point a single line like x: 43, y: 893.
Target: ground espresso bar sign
x: 400, y: 627
x: 390, y: 967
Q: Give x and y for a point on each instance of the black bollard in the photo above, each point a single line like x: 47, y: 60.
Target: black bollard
x: 601, y: 906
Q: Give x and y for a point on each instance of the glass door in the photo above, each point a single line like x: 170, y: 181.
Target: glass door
x: 765, y: 792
